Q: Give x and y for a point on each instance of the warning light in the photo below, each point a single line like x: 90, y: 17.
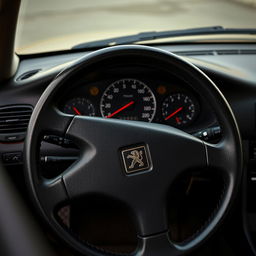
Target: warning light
x: 94, y: 91
x: 161, y: 89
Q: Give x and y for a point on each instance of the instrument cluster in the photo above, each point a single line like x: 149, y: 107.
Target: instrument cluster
x: 135, y: 99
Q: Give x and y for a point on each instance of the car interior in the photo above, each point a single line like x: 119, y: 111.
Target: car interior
x: 142, y: 144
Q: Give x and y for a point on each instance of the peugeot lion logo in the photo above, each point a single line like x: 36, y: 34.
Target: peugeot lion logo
x: 136, y: 159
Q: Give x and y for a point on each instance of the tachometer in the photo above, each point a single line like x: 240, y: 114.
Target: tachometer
x: 128, y: 99
x: 179, y: 110
x: 79, y: 106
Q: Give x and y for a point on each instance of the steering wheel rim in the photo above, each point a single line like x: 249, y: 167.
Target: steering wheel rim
x: 226, y: 155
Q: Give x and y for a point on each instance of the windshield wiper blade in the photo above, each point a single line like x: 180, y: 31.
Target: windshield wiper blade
x: 146, y: 36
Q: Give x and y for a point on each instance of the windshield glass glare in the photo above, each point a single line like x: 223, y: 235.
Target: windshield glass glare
x: 51, y: 25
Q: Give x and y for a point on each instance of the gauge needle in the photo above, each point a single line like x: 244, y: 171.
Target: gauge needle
x: 174, y: 113
x: 77, y: 111
x: 120, y: 109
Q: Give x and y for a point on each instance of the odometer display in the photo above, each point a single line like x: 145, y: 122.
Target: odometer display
x: 128, y: 99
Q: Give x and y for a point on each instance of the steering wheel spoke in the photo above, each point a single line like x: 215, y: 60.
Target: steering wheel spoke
x: 53, y: 193
x: 158, y: 244
x: 54, y: 121
x: 84, y: 178
x: 221, y: 156
x: 150, y: 213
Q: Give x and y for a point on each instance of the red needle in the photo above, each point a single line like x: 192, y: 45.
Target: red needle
x: 77, y: 111
x: 174, y: 113
x: 120, y: 109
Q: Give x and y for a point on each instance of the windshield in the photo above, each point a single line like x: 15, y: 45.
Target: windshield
x: 51, y: 25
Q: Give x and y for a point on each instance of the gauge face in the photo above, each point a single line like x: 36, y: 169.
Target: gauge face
x: 128, y: 99
x: 179, y: 110
x: 79, y: 106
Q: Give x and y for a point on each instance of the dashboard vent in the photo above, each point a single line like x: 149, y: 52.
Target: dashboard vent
x: 14, y: 122
x: 227, y: 52
x: 216, y: 52
x: 247, y: 51
x: 235, y: 52
x: 28, y: 74
x: 195, y: 53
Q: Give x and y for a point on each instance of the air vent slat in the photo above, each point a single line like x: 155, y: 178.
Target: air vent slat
x: 13, y: 130
x: 24, y: 112
x: 14, y: 125
x: 14, y: 122
x: 8, y: 130
x: 14, y: 117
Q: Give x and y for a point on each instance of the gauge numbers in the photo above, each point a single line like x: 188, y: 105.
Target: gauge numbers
x: 128, y: 99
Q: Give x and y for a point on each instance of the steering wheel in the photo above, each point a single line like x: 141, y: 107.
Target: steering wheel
x: 160, y: 154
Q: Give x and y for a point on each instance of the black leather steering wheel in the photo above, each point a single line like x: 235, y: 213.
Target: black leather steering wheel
x: 105, y: 142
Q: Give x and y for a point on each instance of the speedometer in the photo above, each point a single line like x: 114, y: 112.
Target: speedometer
x: 128, y: 99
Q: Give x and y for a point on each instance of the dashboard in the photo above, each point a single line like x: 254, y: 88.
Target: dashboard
x: 139, y: 93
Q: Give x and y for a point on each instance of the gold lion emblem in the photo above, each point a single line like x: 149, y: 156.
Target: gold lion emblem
x: 136, y: 157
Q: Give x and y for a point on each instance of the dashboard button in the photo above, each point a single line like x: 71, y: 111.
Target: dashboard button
x: 12, y: 158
